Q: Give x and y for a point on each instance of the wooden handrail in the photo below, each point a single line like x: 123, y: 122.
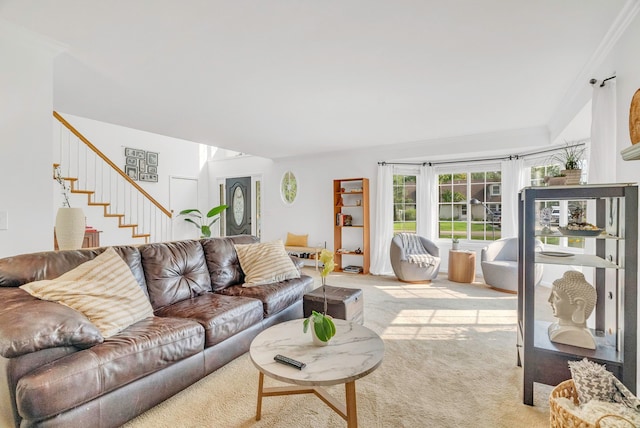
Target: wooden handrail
x: 110, y: 163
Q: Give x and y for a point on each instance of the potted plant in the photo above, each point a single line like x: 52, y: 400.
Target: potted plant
x: 323, y: 327
x: 195, y: 217
x: 555, y: 180
x: 571, y: 157
x: 455, y: 243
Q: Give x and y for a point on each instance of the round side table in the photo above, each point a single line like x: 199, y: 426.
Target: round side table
x: 462, y: 266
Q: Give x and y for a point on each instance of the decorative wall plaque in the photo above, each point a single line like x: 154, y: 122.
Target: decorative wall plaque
x: 141, y: 165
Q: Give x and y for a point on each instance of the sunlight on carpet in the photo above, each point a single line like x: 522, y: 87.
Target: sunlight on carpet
x: 450, y: 361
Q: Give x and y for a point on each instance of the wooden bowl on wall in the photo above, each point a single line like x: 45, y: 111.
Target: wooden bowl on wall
x: 634, y: 118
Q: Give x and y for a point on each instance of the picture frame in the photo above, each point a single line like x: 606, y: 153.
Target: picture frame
x: 148, y: 177
x: 152, y: 159
x: 134, y: 153
x: 131, y: 161
x: 141, y: 165
x: 131, y: 171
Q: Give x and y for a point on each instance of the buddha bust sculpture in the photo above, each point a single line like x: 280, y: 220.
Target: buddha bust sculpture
x: 572, y: 300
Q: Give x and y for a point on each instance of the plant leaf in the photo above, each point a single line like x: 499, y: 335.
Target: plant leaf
x: 216, y: 210
x: 192, y: 222
x: 206, y: 231
x: 191, y: 211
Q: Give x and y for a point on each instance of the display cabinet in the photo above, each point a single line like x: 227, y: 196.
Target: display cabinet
x: 351, y: 225
x: 609, y: 260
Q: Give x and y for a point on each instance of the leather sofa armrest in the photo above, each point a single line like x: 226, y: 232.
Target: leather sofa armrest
x: 297, y: 261
x: 28, y: 324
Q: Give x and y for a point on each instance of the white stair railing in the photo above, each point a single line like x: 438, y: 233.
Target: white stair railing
x: 91, y: 172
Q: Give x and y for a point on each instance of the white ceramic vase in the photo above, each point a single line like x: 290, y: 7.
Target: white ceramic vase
x: 70, y: 226
x: 317, y: 341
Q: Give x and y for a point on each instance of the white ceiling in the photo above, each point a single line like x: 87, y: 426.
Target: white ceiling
x: 279, y: 78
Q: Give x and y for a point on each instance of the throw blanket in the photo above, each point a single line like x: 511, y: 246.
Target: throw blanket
x: 414, y: 250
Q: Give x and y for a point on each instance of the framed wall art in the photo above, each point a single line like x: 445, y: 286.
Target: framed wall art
x: 141, y: 165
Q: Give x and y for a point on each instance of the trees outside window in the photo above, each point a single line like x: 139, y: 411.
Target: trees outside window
x: 404, y: 203
x: 458, y: 217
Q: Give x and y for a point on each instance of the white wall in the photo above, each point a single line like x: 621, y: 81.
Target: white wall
x: 312, y: 211
x: 25, y: 129
x: 176, y: 157
x: 626, y: 63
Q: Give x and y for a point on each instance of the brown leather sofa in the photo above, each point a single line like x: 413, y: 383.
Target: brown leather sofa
x: 56, y: 372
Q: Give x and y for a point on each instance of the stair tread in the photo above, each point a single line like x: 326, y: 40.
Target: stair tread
x: 88, y: 192
x: 99, y: 203
x: 144, y: 235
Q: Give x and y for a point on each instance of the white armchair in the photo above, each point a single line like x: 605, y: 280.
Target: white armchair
x: 499, y: 263
x: 412, y: 272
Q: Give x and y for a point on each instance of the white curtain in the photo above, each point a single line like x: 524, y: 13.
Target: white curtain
x: 602, y: 154
x: 513, y: 180
x: 427, y: 203
x: 383, y: 230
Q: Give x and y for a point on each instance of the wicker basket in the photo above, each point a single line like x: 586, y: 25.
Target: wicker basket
x: 562, y: 418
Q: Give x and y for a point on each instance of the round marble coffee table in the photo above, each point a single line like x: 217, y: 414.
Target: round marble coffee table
x: 354, y: 352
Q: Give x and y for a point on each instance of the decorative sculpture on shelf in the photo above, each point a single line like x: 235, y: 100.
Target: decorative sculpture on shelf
x: 572, y: 300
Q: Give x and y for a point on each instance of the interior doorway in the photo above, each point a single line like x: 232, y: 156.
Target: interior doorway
x: 183, y: 194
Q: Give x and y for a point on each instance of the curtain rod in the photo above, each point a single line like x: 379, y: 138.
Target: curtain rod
x: 506, y: 157
x: 594, y: 81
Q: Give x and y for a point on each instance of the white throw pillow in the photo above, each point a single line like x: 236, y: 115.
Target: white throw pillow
x: 265, y: 263
x: 103, y: 289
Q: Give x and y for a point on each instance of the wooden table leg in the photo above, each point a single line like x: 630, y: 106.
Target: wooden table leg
x: 260, y: 388
x: 352, y: 409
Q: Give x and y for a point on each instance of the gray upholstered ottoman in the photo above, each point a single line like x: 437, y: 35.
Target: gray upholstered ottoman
x: 342, y: 303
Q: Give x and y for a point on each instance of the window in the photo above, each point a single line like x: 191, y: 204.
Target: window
x: 404, y: 203
x: 459, y: 216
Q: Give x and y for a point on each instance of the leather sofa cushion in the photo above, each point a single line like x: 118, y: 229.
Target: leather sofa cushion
x: 143, y: 348
x: 274, y: 297
x: 174, y: 271
x: 28, y: 324
x: 222, y: 260
x: 221, y: 316
x: 24, y: 268
x: 102, y: 289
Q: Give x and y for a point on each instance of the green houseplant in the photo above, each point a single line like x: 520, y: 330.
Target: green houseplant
x: 323, y: 327
x: 195, y: 217
x: 455, y: 243
x: 571, y: 157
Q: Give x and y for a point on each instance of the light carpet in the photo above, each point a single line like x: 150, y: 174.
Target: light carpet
x: 450, y: 361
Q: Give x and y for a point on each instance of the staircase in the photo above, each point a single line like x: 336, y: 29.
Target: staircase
x: 88, y: 171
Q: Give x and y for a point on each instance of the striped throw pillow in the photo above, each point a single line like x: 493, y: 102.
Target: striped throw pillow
x: 103, y: 289
x: 265, y: 263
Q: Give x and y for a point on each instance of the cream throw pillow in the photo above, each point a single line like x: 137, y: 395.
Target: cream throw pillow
x: 103, y: 289
x: 265, y: 263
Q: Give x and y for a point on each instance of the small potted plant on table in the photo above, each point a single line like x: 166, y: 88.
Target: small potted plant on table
x: 571, y: 158
x: 323, y: 328
x: 455, y: 243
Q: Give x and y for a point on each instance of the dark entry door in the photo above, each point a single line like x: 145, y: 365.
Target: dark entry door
x: 239, y: 201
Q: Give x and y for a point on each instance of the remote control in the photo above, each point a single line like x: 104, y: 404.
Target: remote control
x: 289, y: 361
